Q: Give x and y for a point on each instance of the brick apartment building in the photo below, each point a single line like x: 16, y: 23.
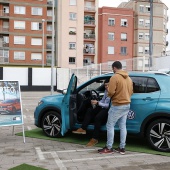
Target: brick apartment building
x: 115, y: 34
x: 21, y: 32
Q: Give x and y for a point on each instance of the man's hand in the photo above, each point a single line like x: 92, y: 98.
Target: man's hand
x: 94, y: 102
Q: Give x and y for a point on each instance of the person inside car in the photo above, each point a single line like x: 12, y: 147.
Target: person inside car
x: 97, y: 112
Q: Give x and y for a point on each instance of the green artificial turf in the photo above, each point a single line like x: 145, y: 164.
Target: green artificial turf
x: 26, y: 167
x: 134, y: 144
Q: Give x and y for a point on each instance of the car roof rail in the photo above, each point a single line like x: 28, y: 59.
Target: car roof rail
x: 164, y: 74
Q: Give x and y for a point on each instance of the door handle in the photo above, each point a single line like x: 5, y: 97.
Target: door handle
x: 147, y: 98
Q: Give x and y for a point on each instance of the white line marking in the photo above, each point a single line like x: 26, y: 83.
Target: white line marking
x: 27, y: 110
x: 104, y: 157
x: 58, y: 161
x: 54, y: 155
x: 40, y: 154
x: 24, y: 116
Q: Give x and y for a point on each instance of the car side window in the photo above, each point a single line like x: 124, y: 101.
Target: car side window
x: 139, y: 84
x: 152, y: 85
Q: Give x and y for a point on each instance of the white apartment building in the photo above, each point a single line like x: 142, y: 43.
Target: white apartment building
x: 142, y: 27
x: 77, y: 27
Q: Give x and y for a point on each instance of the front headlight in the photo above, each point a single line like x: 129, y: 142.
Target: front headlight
x: 40, y: 102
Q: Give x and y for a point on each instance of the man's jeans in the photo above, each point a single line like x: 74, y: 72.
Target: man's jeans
x: 117, y: 114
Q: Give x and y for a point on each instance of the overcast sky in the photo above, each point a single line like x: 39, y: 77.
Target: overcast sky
x: 115, y: 3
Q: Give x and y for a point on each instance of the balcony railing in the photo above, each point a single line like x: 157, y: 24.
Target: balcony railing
x: 2, y: 13
x: 4, y: 59
x: 4, y: 29
x: 92, y: 22
x: 86, y: 8
x: 49, y: 46
x: 50, y: 3
x: 89, y: 51
x: 89, y: 36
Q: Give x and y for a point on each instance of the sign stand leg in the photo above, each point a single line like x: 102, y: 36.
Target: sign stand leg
x: 23, y: 132
x: 13, y: 131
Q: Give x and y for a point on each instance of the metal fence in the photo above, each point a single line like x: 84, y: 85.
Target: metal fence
x: 136, y: 64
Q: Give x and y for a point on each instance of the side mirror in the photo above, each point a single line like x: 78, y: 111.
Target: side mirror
x: 64, y: 91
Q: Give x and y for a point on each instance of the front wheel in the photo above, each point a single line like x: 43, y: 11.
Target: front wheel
x: 158, y: 135
x: 51, y: 124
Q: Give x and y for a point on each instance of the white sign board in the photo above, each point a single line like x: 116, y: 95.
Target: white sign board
x: 10, y: 103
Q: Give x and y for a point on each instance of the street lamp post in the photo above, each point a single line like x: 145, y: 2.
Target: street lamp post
x: 52, y: 57
x: 43, y: 20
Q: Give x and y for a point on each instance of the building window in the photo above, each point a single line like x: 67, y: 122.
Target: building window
x: 111, y: 21
x: 140, y: 36
x: 36, y: 26
x: 147, y: 23
x: 6, y: 9
x: 123, y: 37
x: 164, y: 25
x: 72, y: 31
x: 110, y: 50
x: 36, y: 56
x: 110, y: 36
x: 140, y: 50
x: 36, y: 11
x: 147, y: 8
x: 72, y: 2
x: 123, y: 50
x: 19, y: 10
x: 5, y: 39
x: 141, y: 22
x: 19, y: 39
x: 72, y: 45
x: 72, y: 16
x: 124, y: 23
x: 146, y: 50
x: 49, y: 27
x: 72, y: 60
x: 146, y: 36
x: 36, y: 41
x: 141, y: 8
x: 19, y: 55
x: 19, y: 25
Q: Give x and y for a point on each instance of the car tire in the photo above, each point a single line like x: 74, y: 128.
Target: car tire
x: 158, y: 135
x: 51, y: 124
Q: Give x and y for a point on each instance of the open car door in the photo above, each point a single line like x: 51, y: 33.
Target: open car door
x: 69, y: 108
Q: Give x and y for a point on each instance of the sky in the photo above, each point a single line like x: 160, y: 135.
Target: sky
x: 115, y: 3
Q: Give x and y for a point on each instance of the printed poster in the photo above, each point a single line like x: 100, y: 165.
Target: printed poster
x: 10, y: 103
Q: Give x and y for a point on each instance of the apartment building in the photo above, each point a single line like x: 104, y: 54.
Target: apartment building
x: 142, y: 27
x: 115, y: 35
x: 77, y: 33
x: 25, y: 32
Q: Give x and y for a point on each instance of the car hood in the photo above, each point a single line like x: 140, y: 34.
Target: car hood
x: 53, y: 100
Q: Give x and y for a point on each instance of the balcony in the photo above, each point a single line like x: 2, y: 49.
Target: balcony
x: 89, y: 23
x: 89, y: 51
x: 167, y: 43
x: 89, y: 9
x: 50, y: 3
x: 89, y: 36
x: 3, y: 14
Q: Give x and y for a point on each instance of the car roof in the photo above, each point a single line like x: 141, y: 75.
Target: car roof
x: 137, y: 73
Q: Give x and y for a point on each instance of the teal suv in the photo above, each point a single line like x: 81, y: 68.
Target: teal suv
x: 149, y: 113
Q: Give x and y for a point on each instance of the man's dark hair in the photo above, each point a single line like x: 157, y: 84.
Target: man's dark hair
x: 117, y: 64
x: 106, y: 81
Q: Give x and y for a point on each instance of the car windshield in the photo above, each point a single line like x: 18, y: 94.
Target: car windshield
x: 96, y: 85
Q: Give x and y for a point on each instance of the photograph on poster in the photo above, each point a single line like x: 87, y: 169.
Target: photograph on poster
x: 10, y: 103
